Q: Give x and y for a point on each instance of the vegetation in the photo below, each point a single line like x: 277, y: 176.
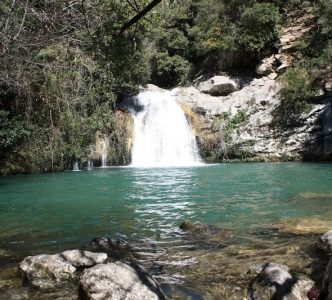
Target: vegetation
x: 64, y: 64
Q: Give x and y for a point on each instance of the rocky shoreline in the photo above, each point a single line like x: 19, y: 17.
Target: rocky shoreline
x: 114, y: 271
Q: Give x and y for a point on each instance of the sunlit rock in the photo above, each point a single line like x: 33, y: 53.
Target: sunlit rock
x: 118, y: 281
x: 46, y: 271
x: 275, y: 281
x: 218, y: 86
x: 49, y: 271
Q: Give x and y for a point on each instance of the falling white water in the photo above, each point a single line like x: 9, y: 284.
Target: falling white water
x: 163, y: 137
x: 104, y: 150
x: 76, y: 167
x: 89, y: 166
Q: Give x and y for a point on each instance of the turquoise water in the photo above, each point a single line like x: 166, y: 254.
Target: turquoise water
x: 256, y: 203
x: 64, y: 209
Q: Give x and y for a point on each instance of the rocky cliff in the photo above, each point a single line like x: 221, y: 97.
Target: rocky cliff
x: 242, y: 125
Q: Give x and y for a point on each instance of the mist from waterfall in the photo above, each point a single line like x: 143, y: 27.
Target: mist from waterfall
x: 163, y: 137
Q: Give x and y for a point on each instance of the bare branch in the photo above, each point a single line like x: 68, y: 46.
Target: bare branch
x: 139, y: 16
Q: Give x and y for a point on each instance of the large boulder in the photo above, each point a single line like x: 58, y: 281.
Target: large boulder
x: 218, y: 86
x: 50, y: 271
x: 118, y: 281
x: 274, y: 281
x: 46, y: 271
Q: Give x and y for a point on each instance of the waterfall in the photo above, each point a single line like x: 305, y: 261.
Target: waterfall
x: 163, y: 136
x: 104, y: 150
x: 76, y: 167
x: 89, y: 166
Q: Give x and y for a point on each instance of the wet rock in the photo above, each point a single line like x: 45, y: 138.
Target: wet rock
x: 115, y: 248
x: 205, y: 232
x: 50, y: 271
x: 118, y: 281
x: 218, y: 86
x: 324, y: 242
x: 274, y: 281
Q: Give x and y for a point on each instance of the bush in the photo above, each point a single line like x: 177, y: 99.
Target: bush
x: 260, y: 26
x: 297, y: 89
x: 169, y: 70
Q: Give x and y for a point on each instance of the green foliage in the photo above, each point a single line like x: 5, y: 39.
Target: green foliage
x: 239, y: 118
x: 260, y: 26
x: 297, y: 89
x: 170, y: 69
x: 12, y: 131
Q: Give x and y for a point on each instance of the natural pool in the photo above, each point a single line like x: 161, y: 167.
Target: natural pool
x: 271, y: 211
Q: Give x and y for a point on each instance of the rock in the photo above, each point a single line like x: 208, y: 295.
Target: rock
x: 78, y: 258
x: 46, y: 271
x: 266, y: 66
x: 118, y: 281
x: 205, y: 232
x: 326, y: 292
x: 115, y: 248
x: 275, y: 282
x: 50, y: 271
x: 218, y: 86
x: 324, y: 243
x: 272, y: 76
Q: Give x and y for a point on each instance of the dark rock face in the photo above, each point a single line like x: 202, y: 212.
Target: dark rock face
x: 326, y: 293
x: 324, y: 244
x: 50, y: 271
x: 274, y: 281
x: 118, y: 281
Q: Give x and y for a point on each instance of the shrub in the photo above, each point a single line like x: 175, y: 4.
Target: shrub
x: 260, y: 26
x: 297, y: 89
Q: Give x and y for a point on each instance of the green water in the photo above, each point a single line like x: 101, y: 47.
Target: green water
x: 73, y: 207
x: 53, y: 212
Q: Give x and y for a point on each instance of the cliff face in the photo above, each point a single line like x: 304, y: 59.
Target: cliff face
x: 242, y: 125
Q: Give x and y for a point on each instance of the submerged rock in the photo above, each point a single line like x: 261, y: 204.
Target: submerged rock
x: 304, y: 225
x: 205, y: 232
x: 324, y: 242
x: 218, y: 86
x: 50, y: 271
x: 118, y: 281
x: 274, y: 281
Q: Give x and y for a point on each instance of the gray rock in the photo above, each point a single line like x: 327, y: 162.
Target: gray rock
x: 218, y: 86
x: 273, y: 281
x: 78, y: 258
x: 118, y: 281
x: 50, y: 271
x: 46, y: 271
x: 324, y: 242
x: 266, y: 66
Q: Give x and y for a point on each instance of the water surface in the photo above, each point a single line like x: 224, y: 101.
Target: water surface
x: 51, y: 212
